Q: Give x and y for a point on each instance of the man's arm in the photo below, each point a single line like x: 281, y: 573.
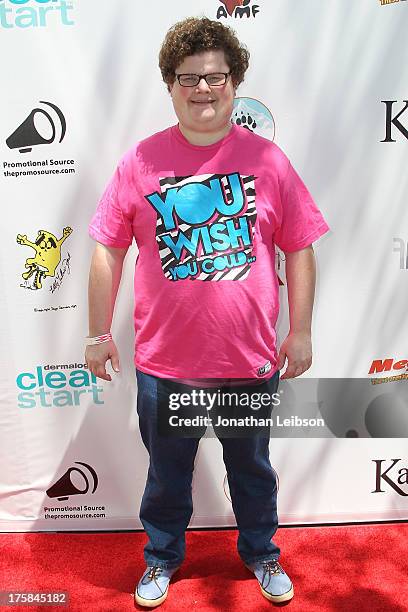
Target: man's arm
x: 104, y: 280
x: 301, y: 280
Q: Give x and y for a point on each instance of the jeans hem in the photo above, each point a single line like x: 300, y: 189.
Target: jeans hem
x: 163, y: 564
x: 262, y: 558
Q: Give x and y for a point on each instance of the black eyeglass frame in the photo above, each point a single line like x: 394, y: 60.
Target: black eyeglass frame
x: 203, y: 76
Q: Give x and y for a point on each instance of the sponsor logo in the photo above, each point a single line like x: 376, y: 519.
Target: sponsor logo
x: 38, y: 168
x: 264, y: 369
x: 64, y: 487
x: 44, y: 125
x: 384, y: 2
x: 75, y: 481
x: 401, y: 247
x: 237, y: 8
x: 254, y: 116
x: 205, y: 226
x: 399, y: 368
x: 38, y: 128
x: 392, y: 119
x: 46, y: 261
x: 57, y: 386
x: 35, y: 13
x: 389, y: 476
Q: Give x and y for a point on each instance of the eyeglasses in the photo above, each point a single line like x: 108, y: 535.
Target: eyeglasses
x: 213, y: 80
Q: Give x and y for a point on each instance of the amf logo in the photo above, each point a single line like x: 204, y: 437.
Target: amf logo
x: 237, y: 8
x: 34, y: 13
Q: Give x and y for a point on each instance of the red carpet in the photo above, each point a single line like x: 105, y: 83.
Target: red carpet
x: 362, y: 568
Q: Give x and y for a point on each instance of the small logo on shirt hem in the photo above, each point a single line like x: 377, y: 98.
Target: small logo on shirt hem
x: 264, y: 369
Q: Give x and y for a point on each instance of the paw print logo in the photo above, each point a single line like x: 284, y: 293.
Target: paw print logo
x: 246, y: 121
x: 254, y: 116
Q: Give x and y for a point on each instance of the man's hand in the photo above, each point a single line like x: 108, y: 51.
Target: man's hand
x: 97, y: 355
x: 297, y: 348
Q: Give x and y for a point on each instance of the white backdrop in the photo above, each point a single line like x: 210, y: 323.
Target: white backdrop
x: 327, y: 72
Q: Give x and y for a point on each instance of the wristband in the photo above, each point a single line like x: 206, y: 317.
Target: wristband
x: 98, y: 339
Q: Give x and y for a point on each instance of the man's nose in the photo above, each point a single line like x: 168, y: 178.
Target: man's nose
x: 203, y: 86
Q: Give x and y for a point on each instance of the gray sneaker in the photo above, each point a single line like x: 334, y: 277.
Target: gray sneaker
x: 274, y: 582
x: 153, y: 586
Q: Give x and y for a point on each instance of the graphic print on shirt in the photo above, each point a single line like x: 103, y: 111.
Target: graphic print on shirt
x: 205, y: 226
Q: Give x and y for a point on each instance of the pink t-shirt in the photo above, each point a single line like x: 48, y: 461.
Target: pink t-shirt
x: 206, y: 220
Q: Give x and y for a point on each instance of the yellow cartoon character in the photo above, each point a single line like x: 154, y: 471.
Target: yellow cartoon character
x: 47, y: 255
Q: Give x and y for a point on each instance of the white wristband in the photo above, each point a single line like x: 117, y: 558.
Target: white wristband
x: 98, y: 339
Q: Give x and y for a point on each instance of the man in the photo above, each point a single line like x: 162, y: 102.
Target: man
x: 206, y: 202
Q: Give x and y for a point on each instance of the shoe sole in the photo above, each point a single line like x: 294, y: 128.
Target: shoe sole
x: 278, y: 598
x: 151, y: 603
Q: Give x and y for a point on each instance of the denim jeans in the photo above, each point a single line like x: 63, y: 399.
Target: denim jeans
x: 167, y: 506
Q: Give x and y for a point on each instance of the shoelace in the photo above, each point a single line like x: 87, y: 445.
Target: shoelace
x: 271, y: 568
x: 154, y: 572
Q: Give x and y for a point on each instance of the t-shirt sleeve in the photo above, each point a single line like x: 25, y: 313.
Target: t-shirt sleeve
x: 301, y: 222
x: 112, y: 222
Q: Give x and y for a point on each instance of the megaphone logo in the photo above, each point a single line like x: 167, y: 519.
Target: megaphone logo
x: 38, y: 128
x: 64, y: 487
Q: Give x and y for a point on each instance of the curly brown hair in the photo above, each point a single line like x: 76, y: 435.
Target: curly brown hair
x: 196, y: 35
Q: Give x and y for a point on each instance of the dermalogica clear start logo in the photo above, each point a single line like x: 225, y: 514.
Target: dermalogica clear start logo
x: 35, y: 13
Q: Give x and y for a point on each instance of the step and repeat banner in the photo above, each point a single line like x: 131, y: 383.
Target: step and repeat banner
x: 81, y: 85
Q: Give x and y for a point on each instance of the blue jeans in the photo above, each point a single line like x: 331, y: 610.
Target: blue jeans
x: 167, y: 506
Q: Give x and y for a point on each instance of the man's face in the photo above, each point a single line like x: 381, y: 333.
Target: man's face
x: 203, y: 108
